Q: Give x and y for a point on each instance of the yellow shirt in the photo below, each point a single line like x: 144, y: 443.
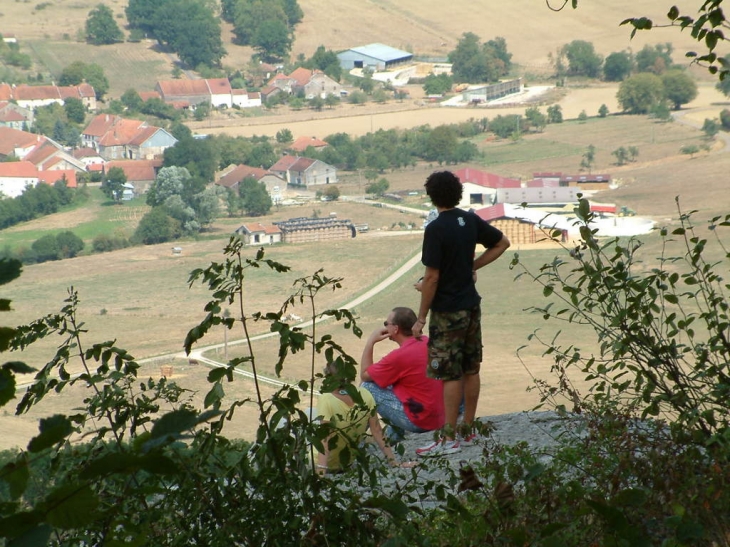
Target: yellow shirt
x: 351, y: 422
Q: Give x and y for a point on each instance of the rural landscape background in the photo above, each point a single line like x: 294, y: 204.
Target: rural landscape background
x: 140, y: 297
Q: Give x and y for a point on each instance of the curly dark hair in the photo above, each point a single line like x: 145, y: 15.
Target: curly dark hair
x: 444, y: 188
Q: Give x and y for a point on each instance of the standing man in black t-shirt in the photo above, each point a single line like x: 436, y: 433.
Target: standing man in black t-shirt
x: 448, y: 291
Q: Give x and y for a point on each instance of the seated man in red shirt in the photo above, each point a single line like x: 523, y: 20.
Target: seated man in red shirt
x: 405, y: 397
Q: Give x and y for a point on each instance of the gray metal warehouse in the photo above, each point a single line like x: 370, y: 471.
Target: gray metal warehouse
x: 373, y: 56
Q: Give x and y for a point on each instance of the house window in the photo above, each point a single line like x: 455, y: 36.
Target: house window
x: 256, y: 238
x: 476, y: 199
x: 358, y: 64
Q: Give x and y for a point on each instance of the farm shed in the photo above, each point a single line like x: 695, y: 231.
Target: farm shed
x: 302, y: 230
x: 373, y: 56
x: 522, y: 225
x: 486, y: 93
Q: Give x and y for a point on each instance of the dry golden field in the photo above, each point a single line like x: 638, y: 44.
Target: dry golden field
x: 425, y: 27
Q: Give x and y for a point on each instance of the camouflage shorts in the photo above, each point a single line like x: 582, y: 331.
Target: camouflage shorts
x: 454, y: 344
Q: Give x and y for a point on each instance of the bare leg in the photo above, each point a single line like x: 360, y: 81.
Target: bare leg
x: 453, y: 393
x: 472, y: 386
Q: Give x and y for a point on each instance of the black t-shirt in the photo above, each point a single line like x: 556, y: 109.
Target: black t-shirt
x: 449, y: 243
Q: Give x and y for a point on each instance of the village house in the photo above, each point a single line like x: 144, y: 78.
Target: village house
x: 259, y: 234
x: 119, y: 138
x: 89, y: 157
x: 34, y: 96
x: 233, y: 176
x: 216, y: 92
x: 16, y: 143
x: 48, y: 155
x: 304, y: 171
x: 308, y: 83
x: 15, y: 116
x: 16, y: 176
x: 141, y: 174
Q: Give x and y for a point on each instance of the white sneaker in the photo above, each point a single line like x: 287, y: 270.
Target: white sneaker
x: 442, y: 447
x: 471, y: 439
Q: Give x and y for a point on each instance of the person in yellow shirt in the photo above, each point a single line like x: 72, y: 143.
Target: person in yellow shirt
x: 351, y: 422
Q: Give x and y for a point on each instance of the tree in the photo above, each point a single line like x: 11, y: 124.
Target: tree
x: 621, y: 154
x: 45, y: 248
x: 723, y: 85
x: 441, y: 144
x: 437, y: 85
x: 555, y: 114
x: 284, y: 136
x: 141, y: 13
x: 690, y: 150
x: 655, y: 59
x: 603, y: 111
x: 68, y: 244
x: 583, y: 116
x: 156, y: 227
x: 535, y: 118
x: 75, y: 110
x: 679, y: 87
x: 170, y: 181
x: 325, y: 60
x: 93, y: 74
x: 582, y: 59
x: 588, y: 159
x: 710, y: 128
x: 272, y: 40
x: 331, y: 193
x: 639, y: 93
x: 617, y: 66
x: 378, y: 188
x: 191, y: 29
x: 725, y: 118
x: 472, y: 62
x: 507, y: 125
x: 255, y: 200
x: 101, y: 28
x: 132, y: 100
x: 113, y: 183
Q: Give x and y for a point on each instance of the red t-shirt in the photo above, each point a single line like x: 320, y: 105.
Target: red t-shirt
x: 405, y: 369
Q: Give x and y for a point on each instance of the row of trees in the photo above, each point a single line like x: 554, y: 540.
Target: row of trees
x: 579, y: 58
x: 36, y: 201
x: 644, y: 92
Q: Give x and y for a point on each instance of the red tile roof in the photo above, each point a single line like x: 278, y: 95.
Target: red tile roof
x: 144, y: 95
x: 11, y: 116
x: 265, y: 228
x: 302, y: 143
x: 137, y: 170
x: 19, y: 169
x: 301, y: 75
x: 53, y: 176
x: 492, y: 213
x: 239, y: 173
x: 6, y: 92
x: 14, y: 138
x: 488, y: 180
x: 284, y: 163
